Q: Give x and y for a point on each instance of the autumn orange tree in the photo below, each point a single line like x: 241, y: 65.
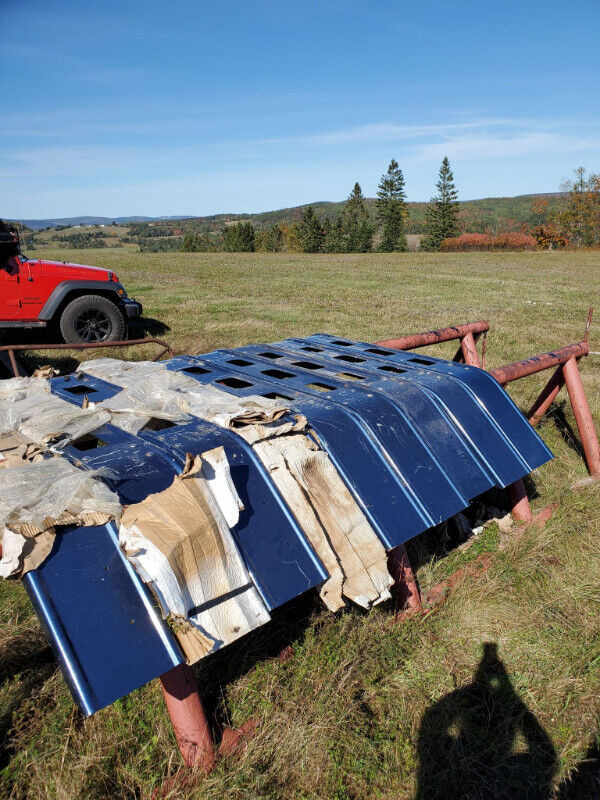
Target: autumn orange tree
x: 581, y: 219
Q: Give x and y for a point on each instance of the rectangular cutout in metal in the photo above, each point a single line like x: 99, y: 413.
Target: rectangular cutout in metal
x: 235, y: 383
x: 321, y: 387
x: 87, y: 442
x: 240, y: 362
x: 268, y: 354
x: 389, y: 368
x: 379, y: 352
x: 306, y: 365
x: 276, y: 396
x: 157, y: 424
x: 312, y: 349
x: 349, y: 376
x: 196, y: 370
x: 80, y: 389
x: 342, y: 344
x: 351, y: 359
x: 423, y: 361
x: 277, y: 373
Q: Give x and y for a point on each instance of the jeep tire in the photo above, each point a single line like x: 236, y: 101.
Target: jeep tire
x: 91, y: 319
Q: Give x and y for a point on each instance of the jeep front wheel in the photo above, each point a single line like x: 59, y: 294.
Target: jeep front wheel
x: 91, y: 319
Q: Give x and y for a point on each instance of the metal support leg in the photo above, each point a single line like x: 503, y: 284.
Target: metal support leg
x: 188, y: 717
x: 547, y: 396
x: 469, y: 350
x: 583, y: 416
x: 519, y: 502
x: 405, y: 589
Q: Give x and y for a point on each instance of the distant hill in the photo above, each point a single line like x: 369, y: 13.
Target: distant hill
x: 37, y: 224
x: 490, y: 213
x: 486, y: 214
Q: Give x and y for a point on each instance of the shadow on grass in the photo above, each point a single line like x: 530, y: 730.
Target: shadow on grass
x: 481, y: 742
x: 31, y: 681
x: 275, y: 639
x: 569, y: 436
x: 147, y: 326
x: 585, y: 783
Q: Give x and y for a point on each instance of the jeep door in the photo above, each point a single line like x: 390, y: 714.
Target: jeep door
x: 10, y: 290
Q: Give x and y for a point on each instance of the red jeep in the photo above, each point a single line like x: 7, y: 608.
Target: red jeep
x: 88, y: 304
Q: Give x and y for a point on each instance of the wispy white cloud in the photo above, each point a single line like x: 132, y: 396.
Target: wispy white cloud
x: 387, y: 131
x: 486, y: 147
x: 390, y: 131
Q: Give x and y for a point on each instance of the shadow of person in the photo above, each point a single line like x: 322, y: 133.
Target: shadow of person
x: 482, y: 742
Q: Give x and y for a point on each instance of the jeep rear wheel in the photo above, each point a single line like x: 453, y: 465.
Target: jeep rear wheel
x: 91, y: 319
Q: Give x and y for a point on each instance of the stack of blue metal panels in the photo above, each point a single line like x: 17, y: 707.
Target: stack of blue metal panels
x: 414, y: 438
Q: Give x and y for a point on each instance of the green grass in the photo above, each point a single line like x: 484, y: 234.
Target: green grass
x: 358, y: 711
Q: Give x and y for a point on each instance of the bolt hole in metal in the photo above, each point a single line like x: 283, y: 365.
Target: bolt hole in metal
x: 93, y: 326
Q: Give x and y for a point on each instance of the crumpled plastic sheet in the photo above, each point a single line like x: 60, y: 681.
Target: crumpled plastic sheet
x: 27, y: 406
x: 44, y: 490
x: 150, y: 390
x: 118, y: 372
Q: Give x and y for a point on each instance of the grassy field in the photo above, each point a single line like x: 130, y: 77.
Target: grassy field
x: 364, y: 708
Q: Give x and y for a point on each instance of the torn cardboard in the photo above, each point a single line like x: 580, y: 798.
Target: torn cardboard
x: 180, y: 543
x: 331, y: 519
x: 20, y: 554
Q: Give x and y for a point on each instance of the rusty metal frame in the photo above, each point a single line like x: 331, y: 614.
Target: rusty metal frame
x: 564, y: 360
x: 11, y: 349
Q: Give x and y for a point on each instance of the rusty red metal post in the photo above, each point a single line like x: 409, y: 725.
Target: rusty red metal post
x: 405, y: 589
x: 583, y: 416
x: 519, y: 502
x: 188, y: 717
x: 547, y: 396
x: 416, y: 340
x: 469, y: 350
x: 529, y: 366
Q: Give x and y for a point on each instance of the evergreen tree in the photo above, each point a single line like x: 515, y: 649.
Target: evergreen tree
x: 441, y: 217
x: 238, y: 238
x: 358, y: 230
x: 391, y: 209
x: 334, y: 236
x: 310, y: 231
x: 196, y: 243
x: 269, y: 239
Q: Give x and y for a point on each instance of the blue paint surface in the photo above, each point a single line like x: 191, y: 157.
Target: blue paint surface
x: 414, y: 438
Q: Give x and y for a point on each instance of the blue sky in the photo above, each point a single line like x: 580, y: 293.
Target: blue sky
x: 158, y: 108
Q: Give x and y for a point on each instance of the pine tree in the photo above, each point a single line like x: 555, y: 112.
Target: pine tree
x: 391, y: 209
x: 358, y: 230
x: 334, y: 237
x: 238, y: 238
x: 310, y: 231
x: 441, y: 217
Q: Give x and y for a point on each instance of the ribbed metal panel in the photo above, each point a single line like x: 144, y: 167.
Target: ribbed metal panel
x: 415, y: 439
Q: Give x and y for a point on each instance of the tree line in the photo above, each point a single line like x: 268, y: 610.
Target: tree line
x: 353, y: 230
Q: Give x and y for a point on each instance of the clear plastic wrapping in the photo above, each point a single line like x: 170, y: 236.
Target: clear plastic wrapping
x: 36, y: 493
x: 27, y: 406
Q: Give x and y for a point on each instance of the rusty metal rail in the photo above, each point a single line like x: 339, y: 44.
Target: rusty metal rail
x: 564, y: 360
x: 11, y: 349
x: 529, y: 366
x: 467, y: 334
